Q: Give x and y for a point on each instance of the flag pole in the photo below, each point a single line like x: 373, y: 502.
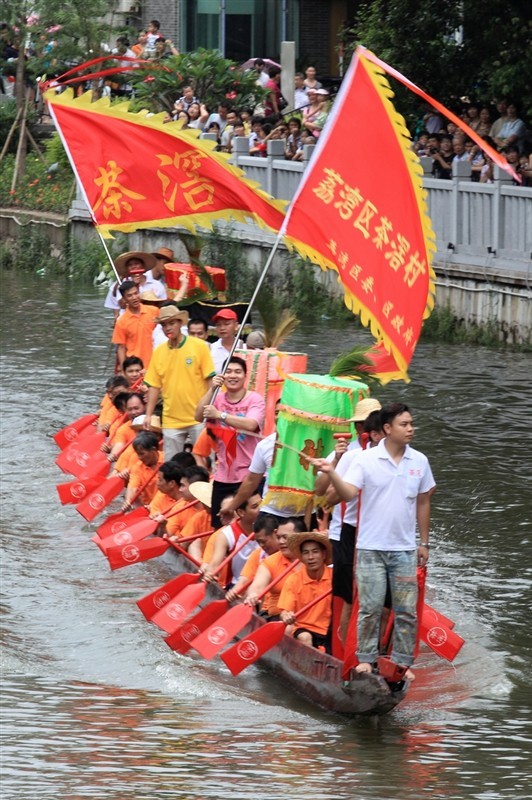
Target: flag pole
x: 112, y: 263
x: 260, y: 281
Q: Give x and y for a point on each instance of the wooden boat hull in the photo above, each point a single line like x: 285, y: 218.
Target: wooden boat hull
x: 314, y: 675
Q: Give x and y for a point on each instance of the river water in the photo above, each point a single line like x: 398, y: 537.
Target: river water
x: 96, y: 706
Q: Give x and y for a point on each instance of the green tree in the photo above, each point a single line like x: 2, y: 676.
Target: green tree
x: 480, y: 49
x: 213, y: 77
x: 54, y: 35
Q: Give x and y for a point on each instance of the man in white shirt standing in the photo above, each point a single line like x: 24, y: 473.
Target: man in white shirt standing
x: 395, y: 484
x: 226, y: 326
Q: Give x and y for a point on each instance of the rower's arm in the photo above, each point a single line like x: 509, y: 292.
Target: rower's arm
x: 346, y: 491
x: 120, y: 355
x: 423, y: 517
x: 221, y: 549
x: 153, y: 397
x: 260, y: 582
x: 247, y: 489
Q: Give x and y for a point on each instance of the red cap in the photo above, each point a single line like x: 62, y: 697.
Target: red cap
x: 225, y: 313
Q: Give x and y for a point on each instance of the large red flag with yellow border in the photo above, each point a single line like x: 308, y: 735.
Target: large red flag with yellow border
x: 361, y: 210
x: 138, y: 172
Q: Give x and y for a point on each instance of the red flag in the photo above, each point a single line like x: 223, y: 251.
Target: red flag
x: 361, y: 210
x: 228, y: 436
x: 138, y: 172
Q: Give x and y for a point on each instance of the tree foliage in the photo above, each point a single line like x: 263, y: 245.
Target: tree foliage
x: 479, y: 49
x: 213, y: 77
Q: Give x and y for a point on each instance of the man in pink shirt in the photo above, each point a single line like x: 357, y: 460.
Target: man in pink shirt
x: 234, y: 415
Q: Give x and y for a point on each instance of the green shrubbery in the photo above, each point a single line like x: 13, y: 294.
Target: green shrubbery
x: 40, y: 189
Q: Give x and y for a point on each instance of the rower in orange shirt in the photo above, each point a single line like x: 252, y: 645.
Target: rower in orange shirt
x: 200, y: 522
x: 146, y: 446
x: 125, y: 433
x: 108, y: 412
x: 168, y: 496
x: 301, y: 587
x: 265, y: 535
x: 177, y: 523
x: 273, y: 566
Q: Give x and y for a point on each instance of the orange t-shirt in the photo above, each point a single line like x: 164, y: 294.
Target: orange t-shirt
x: 138, y: 477
x: 108, y: 415
x: 275, y: 564
x: 134, y: 331
x: 177, y: 522
x: 204, y: 445
x: 126, y: 460
x: 162, y: 503
x: 123, y: 435
x: 198, y: 523
x: 298, y: 590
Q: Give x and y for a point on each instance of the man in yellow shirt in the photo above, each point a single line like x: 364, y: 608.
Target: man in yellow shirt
x: 180, y: 370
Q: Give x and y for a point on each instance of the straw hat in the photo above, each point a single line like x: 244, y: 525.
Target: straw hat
x: 172, y: 312
x: 202, y: 491
x: 295, y: 540
x: 164, y: 252
x: 150, y: 297
x: 147, y: 259
x: 364, y: 408
x: 155, y: 424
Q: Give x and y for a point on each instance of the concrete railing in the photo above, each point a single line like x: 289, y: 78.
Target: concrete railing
x: 476, y: 224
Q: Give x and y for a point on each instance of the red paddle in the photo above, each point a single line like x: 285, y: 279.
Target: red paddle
x: 248, y: 650
x: 97, y: 500
x: 174, y: 613
x: 135, y: 553
x: 179, y: 641
x: 430, y: 617
x: 75, y: 491
x: 441, y: 639
x: 105, y: 493
x: 122, y: 555
x: 211, y: 641
x: 138, y: 528
x: 117, y: 522
x: 69, y: 433
x: 75, y: 458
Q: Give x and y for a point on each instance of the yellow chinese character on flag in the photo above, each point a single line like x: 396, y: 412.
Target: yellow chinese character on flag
x: 113, y: 194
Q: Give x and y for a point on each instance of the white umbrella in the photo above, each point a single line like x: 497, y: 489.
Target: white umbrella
x: 249, y: 64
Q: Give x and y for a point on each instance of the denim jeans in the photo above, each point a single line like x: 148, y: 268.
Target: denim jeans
x: 174, y: 438
x: 373, y: 569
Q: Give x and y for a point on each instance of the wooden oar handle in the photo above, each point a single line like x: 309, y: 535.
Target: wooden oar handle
x: 283, y: 574
x: 313, y: 603
x: 196, y: 536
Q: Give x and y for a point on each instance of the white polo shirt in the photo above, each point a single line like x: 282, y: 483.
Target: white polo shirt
x: 220, y: 354
x: 389, y: 496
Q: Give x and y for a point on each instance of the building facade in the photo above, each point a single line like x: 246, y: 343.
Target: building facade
x: 251, y: 28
